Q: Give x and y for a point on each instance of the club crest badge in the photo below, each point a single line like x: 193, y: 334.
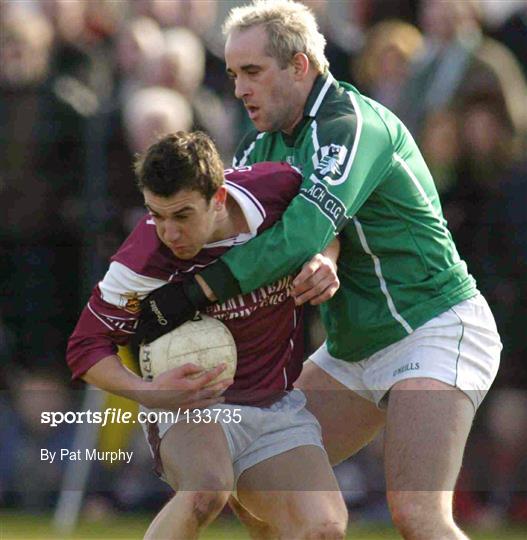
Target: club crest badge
x: 330, y: 161
x: 130, y: 302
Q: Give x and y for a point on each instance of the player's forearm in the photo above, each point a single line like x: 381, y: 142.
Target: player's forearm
x: 333, y: 250
x: 219, y: 275
x: 277, y: 252
x: 111, y: 375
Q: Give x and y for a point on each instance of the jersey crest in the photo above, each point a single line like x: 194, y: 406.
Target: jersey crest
x: 130, y: 302
x: 330, y: 159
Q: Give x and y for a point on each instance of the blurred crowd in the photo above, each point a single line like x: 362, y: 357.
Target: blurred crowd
x: 86, y: 84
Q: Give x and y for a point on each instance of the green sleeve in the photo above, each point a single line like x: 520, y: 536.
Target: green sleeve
x: 286, y: 246
x: 342, y: 165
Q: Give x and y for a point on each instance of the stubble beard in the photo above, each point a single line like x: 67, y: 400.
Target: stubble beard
x: 282, y: 119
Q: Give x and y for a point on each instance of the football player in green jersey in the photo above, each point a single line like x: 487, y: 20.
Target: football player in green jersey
x: 411, y: 345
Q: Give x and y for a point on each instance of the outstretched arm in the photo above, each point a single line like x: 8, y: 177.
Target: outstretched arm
x: 343, y: 162
x: 316, y: 283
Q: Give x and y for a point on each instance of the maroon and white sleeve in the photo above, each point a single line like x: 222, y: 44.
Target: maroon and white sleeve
x: 110, y: 317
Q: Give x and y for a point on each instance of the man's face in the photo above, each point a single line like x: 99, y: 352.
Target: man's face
x: 267, y: 91
x: 185, y: 222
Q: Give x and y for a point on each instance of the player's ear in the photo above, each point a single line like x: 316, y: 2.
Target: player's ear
x: 220, y: 197
x: 300, y: 64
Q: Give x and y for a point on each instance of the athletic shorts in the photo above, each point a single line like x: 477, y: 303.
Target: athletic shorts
x: 261, y: 433
x: 461, y: 347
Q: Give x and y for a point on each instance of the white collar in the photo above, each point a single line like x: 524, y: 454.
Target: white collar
x: 253, y: 212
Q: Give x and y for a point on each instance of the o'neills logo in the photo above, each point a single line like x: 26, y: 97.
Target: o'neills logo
x: 160, y: 319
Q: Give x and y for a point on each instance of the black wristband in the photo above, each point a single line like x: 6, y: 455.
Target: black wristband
x: 220, y: 279
x: 195, y: 294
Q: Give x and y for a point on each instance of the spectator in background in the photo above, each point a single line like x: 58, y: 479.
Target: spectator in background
x: 345, y: 25
x: 149, y: 113
x: 513, y: 34
x: 103, y: 19
x: 27, y: 39
x: 478, y: 160
x: 496, y: 494
x: 440, y: 145
x: 181, y: 67
x: 7, y: 451
x: 175, y: 70
x: 35, y: 484
x: 80, y: 67
x: 382, y: 67
x: 344, y: 35
x: 196, y: 15
x: 40, y: 138
x: 168, y: 65
x: 199, y: 16
x: 515, y: 195
x: 139, y: 43
x: 154, y: 112
x: 458, y: 64
x: 6, y: 364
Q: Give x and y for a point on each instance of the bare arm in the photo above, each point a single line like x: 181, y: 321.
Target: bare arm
x: 170, y: 390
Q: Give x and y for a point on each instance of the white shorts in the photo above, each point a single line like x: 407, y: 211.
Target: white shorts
x: 262, y: 433
x: 461, y: 347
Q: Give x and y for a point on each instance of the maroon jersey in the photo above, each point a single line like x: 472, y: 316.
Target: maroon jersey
x: 266, y: 324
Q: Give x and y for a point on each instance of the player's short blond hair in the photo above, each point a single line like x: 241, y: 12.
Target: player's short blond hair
x: 291, y: 28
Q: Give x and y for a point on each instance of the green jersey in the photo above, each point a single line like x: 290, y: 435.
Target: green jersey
x: 365, y: 180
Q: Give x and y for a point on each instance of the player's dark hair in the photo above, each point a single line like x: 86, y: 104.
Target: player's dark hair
x: 180, y: 160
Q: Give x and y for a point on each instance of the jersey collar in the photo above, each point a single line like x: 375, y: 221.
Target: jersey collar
x: 322, y: 85
x: 252, y: 209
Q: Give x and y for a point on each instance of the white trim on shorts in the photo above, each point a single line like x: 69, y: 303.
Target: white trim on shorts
x: 461, y: 347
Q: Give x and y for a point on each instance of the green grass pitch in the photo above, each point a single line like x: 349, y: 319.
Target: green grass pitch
x: 38, y: 527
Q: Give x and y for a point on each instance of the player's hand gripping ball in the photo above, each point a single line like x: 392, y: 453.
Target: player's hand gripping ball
x: 204, y: 341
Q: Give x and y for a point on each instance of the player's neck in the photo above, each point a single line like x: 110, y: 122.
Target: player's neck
x: 298, y: 110
x: 230, y: 221
x: 294, y: 122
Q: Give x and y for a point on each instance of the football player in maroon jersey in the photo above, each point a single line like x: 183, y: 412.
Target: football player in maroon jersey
x: 262, y: 441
